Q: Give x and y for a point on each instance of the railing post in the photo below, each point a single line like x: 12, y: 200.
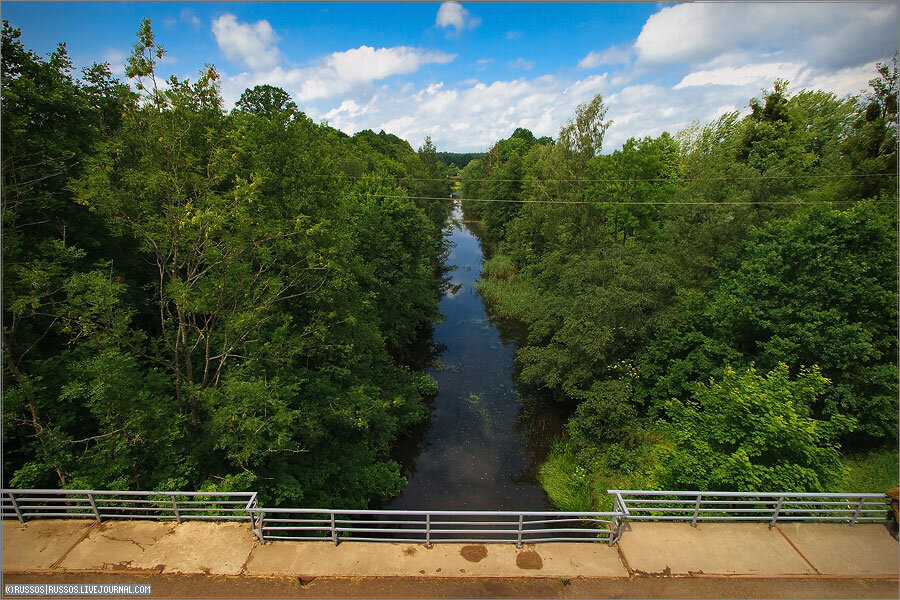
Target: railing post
x: 333, y: 531
x: 616, y: 521
x: 175, y: 509
x: 777, y: 511
x: 259, y: 524
x: 696, y: 510
x: 428, y: 530
x: 519, y: 535
x: 859, y: 506
x: 94, y: 506
x: 15, y: 504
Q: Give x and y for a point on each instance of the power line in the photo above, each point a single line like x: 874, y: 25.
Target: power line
x: 639, y: 202
x: 621, y: 180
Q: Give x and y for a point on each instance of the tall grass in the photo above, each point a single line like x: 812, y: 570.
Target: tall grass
x: 872, y: 471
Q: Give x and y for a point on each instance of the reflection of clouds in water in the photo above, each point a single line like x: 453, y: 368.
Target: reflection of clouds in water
x: 454, y: 289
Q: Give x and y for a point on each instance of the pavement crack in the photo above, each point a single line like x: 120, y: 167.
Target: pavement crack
x: 115, y: 539
x: 625, y: 561
x: 797, y: 550
x: 87, y: 532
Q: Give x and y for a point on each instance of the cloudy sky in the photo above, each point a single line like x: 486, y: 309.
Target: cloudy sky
x: 469, y: 73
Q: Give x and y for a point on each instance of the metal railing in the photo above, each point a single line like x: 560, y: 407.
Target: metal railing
x: 771, y: 507
x: 100, y: 505
x: 429, y: 527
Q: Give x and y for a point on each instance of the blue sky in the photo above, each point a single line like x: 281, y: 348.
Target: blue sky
x: 469, y: 73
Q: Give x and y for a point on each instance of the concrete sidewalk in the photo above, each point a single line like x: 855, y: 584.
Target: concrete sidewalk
x: 646, y: 549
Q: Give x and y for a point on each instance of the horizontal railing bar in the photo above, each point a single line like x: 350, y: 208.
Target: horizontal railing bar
x: 382, y: 521
x: 137, y: 508
x: 436, y: 513
x: 566, y: 539
x: 87, y: 515
x: 294, y: 538
x: 375, y: 539
x: 326, y: 522
x: 56, y: 501
x: 852, y: 502
x: 848, y: 511
x: 120, y: 517
x: 216, y: 509
x: 511, y: 522
x: 17, y: 493
x: 189, y: 502
x: 212, y: 518
x: 567, y: 521
x: 86, y: 506
x: 686, y: 509
x: 460, y: 531
x: 565, y: 530
x: 743, y: 494
x: 325, y: 529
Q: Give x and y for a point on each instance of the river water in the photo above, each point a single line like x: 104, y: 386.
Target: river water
x: 484, y: 438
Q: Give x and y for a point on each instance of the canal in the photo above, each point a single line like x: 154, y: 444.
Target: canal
x: 485, y: 436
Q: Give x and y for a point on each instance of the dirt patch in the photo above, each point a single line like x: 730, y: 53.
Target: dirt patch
x: 529, y: 560
x: 473, y: 553
x: 409, y: 550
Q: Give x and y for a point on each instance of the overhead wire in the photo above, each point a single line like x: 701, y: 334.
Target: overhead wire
x: 616, y: 179
x: 627, y: 203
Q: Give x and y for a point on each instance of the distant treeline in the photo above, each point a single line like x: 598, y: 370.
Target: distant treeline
x: 458, y: 159
x: 721, y: 306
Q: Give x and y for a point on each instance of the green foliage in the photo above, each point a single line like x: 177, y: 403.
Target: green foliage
x: 203, y: 300
x: 764, y: 240
x: 266, y: 101
x: 750, y: 432
x: 873, y: 471
x: 565, y: 480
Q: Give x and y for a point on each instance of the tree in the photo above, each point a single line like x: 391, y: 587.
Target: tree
x: 815, y: 289
x: 266, y: 101
x: 750, y: 432
x: 583, y: 135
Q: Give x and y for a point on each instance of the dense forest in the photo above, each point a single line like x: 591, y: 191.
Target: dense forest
x: 719, y: 308
x: 202, y: 299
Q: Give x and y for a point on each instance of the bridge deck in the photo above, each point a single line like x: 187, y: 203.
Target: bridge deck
x: 223, y: 548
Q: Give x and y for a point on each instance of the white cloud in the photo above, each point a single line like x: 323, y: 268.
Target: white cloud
x: 843, y: 82
x: 647, y: 90
x: 336, y: 73
x: 759, y: 74
x: 116, y: 60
x: 513, y: 34
x: 832, y: 35
x: 520, y: 63
x: 614, y: 55
x: 452, y: 14
x: 484, y: 63
x: 187, y: 15
x: 254, y: 45
x: 341, y: 71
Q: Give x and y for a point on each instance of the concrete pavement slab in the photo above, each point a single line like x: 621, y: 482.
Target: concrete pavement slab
x: 319, y: 559
x: 219, y: 548
x: 116, y: 545
x: 39, y: 544
x: 711, y: 548
x: 838, y: 549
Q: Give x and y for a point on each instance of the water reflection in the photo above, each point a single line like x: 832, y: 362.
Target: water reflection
x: 480, y: 446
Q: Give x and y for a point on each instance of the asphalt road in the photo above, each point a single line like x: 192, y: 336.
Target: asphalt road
x: 208, y: 586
